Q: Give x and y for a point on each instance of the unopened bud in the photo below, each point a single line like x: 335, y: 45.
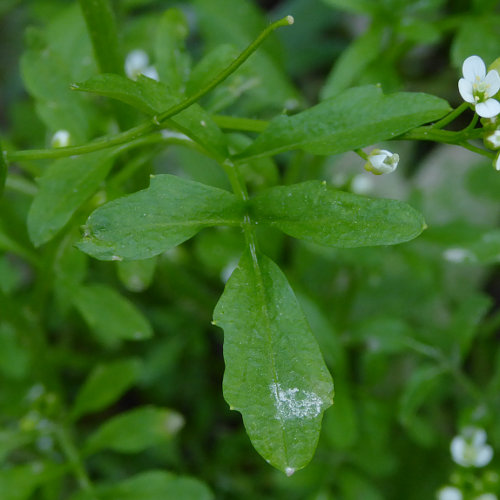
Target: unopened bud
x: 381, y: 161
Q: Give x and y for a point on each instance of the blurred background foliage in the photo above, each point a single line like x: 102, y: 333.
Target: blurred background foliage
x: 410, y: 333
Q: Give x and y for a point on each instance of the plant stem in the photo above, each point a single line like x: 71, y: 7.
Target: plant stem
x: 451, y: 116
x: 361, y: 153
x: 75, y: 461
x: 157, y: 120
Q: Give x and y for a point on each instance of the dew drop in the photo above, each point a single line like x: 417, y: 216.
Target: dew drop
x: 289, y: 471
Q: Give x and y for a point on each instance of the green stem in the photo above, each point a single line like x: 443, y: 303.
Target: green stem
x: 475, y: 149
x: 451, y: 116
x: 361, y: 153
x: 157, y: 120
x: 286, y: 21
x: 69, y: 449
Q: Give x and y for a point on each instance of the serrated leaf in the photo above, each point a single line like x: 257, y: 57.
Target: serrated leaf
x: 64, y: 187
x: 110, y: 316
x: 152, y: 97
x: 356, y: 118
x: 275, y: 375
x: 105, y: 384
x: 154, y: 485
x: 135, y: 430
x: 316, y: 212
x: 149, y: 222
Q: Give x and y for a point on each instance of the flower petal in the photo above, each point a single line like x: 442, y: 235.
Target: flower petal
x: 488, y: 109
x: 484, y: 456
x: 473, y: 67
x: 465, y: 89
x: 457, y: 448
x: 493, y: 81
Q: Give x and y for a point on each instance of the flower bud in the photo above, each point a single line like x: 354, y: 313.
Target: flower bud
x: 496, y: 162
x: 61, y: 139
x: 492, y: 141
x: 381, y: 161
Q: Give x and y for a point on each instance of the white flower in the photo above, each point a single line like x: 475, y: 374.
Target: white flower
x: 492, y: 140
x: 137, y: 63
x: 469, y: 449
x: 381, y: 161
x: 61, y: 139
x: 449, y: 493
x: 478, y: 88
x: 486, y: 496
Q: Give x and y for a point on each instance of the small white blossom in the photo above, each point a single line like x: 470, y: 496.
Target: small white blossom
x: 381, y: 161
x: 492, y: 140
x: 486, y: 496
x: 449, y: 493
x: 469, y: 449
x: 137, y: 63
x: 61, y: 139
x: 478, y: 88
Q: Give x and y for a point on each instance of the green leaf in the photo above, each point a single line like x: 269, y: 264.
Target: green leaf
x: 152, y: 97
x: 358, y: 117
x: 156, y: 219
x: 101, y: 26
x: 14, y: 360
x: 479, y: 36
x: 417, y: 390
x: 145, y: 94
x: 64, y: 187
x: 357, y: 6
x: 3, y: 170
x: 47, y: 79
x: 171, y: 57
x: 137, y: 275
x: 154, y: 485
x: 316, y: 212
x: 19, y: 483
x: 275, y: 374
x: 353, y: 61
x: 111, y: 317
x: 105, y: 384
x: 136, y: 430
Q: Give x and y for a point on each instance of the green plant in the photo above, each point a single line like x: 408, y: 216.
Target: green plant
x: 145, y: 164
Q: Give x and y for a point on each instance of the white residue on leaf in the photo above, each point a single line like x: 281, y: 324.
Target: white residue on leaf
x: 295, y: 403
